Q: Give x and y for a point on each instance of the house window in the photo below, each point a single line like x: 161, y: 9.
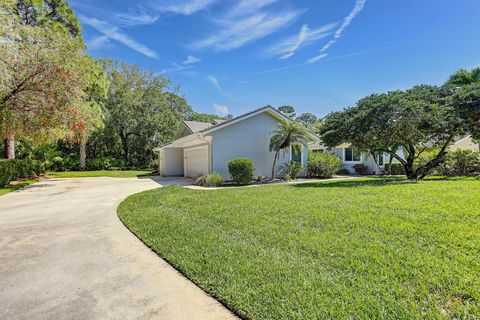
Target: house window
x: 318, y: 150
x: 352, y: 155
x: 381, y: 159
x: 296, y: 153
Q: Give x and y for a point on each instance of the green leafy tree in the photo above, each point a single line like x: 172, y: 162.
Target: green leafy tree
x: 54, y: 15
x: 410, y: 120
x: 289, y: 111
x: 307, y: 119
x: 464, y: 77
x: 286, y: 134
x: 142, y: 112
x: 42, y: 81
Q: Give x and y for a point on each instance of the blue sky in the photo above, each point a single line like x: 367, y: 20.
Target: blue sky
x: 319, y: 56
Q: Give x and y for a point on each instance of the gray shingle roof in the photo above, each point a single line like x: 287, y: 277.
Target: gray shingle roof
x: 196, y: 126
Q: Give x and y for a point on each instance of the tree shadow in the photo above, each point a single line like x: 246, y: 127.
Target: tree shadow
x: 353, y: 183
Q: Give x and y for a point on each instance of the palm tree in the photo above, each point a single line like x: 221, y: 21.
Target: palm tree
x: 286, y: 134
x: 464, y: 77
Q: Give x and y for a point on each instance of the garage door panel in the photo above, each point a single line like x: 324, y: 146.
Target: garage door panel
x: 196, y: 161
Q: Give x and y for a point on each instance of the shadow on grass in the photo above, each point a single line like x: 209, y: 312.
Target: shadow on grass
x: 353, y: 183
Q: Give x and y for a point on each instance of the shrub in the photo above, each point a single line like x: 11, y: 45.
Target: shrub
x: 360, y: 168
x: 395, y: 169
x: 322, y: 165
x: 241, y: 170
x: 462, y: 163
x: 19, y: 168
x: 209, y: 180
x: 343, y: 171
x: 291, y: 169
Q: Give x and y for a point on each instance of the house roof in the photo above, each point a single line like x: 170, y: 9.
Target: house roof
x: 272, y: 111
x: 197, y: 126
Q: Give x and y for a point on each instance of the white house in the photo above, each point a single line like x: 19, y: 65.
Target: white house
x: 206, y: 147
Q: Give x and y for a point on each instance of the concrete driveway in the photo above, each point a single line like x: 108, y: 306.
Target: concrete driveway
x: 64, y: 254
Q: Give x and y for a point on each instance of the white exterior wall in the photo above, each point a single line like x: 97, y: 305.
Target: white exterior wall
x: 171, y: 162
x: 249, y: 138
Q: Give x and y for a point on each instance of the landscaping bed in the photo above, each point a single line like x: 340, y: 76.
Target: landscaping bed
x: 335, y: 249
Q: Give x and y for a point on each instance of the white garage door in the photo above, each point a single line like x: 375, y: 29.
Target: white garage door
x: 196, y: 161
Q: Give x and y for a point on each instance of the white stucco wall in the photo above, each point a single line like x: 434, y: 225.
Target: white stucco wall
x: 249, y: 138
x: 171, y: 162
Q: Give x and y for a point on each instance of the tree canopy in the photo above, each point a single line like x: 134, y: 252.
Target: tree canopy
x: 423, y: 116
x: 289, y: 111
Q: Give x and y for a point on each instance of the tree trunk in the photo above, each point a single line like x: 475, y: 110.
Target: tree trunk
x: 83, y: 151
x: 274, y: 163
x: 10, y: 146
x: 126, y: 155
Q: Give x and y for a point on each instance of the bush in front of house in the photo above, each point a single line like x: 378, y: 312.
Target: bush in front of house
x: 291, y: 169
x: 462, y: 163
x: 209, y: 180
x: 241, y: 170
x: 322, y: 165
x: 18, y: 169
x: 395, y: 169
x: 343, y: 172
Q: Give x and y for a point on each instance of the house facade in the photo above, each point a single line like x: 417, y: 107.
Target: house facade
x: 207, y: 147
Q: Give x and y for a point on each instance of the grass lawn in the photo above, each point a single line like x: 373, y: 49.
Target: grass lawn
x: 10, y: 188
x: 355, y: 249
x: 100, y: 173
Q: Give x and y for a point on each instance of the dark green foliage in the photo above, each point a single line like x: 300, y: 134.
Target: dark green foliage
x: 395, y: 169
x: 407, y: 119
x: 19, y: 169
x: 463, y: 163
x: 307, y: 119
x: 343, y: 172
x: 291, y: 169
x: 322, y: 165
x: 209, y: 180
x: 289, y: 111
x: 241, y: 170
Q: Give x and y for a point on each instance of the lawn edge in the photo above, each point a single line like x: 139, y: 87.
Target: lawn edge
x: 180, y: 271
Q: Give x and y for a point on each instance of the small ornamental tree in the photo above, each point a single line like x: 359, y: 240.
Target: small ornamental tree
x: 41, y: 83
x: 286, y: 134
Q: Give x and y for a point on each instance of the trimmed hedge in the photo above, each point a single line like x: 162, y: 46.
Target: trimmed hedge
x: 241, y: 170
x: 395, y: 169
x: 322, y: 165
x: 17, y: 169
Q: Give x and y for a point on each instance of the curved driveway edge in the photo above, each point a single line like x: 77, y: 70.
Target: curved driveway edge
x: 64, y: 254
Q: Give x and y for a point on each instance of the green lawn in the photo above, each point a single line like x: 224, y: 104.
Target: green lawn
x: 101, y: 173
x: 356, y: 249
x: 10, y: 188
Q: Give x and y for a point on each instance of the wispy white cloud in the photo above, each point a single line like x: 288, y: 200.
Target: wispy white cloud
x: 176, y: 68
x: 221, y: 110
x: 214, y: 81
x: 115, y: 33
x: 317, y: 58
x: 235, y: 33
x: 135, y: 19
x: 185, y: 7
x: 249, y: 6
x: 357, y: 8
x: 98, y: 42
x: 191, y: 60
x: 288, y: 47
